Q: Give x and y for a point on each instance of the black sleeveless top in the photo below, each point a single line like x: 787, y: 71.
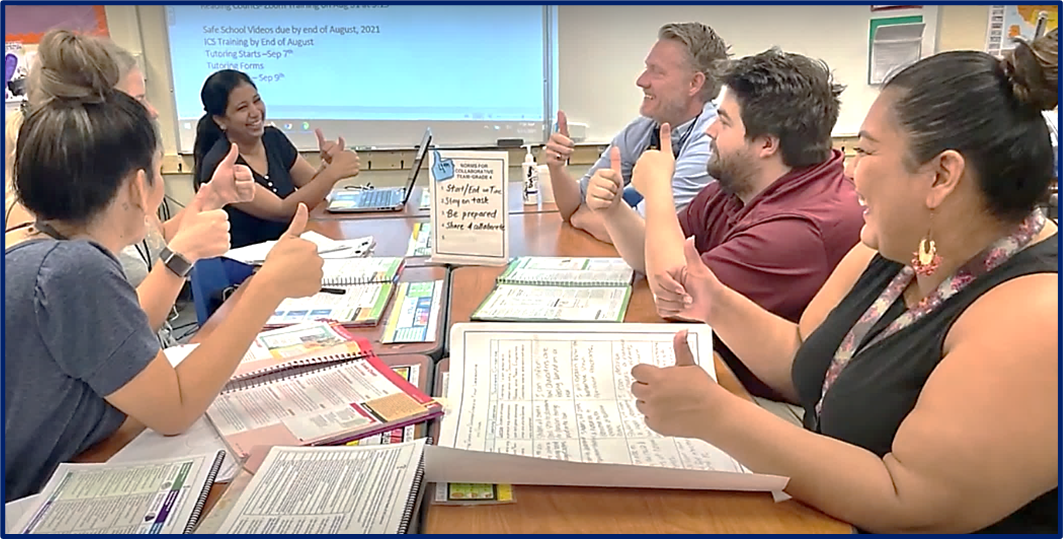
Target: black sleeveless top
x: 244, y: 228
x: 879, y: 387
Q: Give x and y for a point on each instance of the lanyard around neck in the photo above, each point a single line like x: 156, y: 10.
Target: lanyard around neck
x: 677, y: 148
x: 982, y: 263
x: 49, y: 230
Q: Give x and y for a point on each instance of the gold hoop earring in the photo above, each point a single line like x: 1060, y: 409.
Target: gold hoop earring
x: 926, y: 260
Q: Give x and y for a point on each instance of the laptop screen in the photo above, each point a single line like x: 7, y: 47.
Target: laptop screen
x: 422, y: 151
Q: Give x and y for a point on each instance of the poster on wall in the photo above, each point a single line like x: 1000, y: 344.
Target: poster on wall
x: 894, y: 43
x: 1009, y: 22
x: 16, y: 67
x: 27, y: 24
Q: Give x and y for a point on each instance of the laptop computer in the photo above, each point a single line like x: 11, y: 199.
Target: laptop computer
x: 384, y: 199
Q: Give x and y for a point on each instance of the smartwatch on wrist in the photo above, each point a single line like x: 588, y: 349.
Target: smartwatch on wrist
x: 175, y: 262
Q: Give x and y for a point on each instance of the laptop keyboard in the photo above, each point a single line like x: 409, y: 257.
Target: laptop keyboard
x: 378, y: 198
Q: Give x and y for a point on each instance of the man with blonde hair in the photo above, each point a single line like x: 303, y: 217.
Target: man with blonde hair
x: 680, y: 80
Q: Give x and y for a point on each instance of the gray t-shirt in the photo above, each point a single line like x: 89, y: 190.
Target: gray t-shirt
x: 75, y: 333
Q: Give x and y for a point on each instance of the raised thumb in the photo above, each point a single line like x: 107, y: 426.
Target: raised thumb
x: 230, y: 158
x: 614, y: 159
x: 199, y: 201
x: 683, y: 356
x: 666, y: 139
x: 298, y: 221
x: 562, y: 123
x: 693, y: 258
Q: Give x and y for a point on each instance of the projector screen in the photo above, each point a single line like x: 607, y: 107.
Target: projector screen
x: 377, y: 75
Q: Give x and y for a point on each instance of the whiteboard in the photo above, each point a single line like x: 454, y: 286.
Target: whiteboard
x: 602, y: 49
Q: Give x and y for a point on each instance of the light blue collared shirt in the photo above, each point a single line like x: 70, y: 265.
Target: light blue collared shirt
x: 691, y: 175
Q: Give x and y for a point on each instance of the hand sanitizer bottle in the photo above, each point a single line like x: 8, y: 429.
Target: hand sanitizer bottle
x: 531, y: 179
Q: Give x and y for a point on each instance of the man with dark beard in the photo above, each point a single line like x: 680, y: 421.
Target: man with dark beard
x: 781, y: 214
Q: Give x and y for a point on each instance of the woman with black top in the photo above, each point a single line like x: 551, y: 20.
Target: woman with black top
x: 927, y: 363
x: 237, y: 114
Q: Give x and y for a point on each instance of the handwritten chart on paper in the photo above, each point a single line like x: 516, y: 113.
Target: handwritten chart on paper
x: 562, y: 392
x: 469, y: 207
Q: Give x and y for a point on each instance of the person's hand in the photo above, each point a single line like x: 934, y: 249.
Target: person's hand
x: 293, y: 266
x: 203, y: 233
x: 328, y: 148
x: 676, y: 400
x: 559, y: 148
x: 655, y: 166
x: 606, y: 185
x: 230, y: 184
x: 345, y: 164
x: 686, y: 292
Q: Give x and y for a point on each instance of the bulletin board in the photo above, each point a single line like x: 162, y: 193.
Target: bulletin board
x: 27, y: 24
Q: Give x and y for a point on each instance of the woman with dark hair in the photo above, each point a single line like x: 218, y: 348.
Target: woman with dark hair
x: 236, y: 114
x: 1047, y: 47
x: 80, y: 357
x: 70, y: 65
x: 927, y: 364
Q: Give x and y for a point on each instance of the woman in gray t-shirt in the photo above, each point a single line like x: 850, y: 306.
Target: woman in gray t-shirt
x: 157, y: 286
x: 80, y: 358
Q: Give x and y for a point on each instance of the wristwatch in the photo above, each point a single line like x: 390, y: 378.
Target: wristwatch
x: 175, y: 262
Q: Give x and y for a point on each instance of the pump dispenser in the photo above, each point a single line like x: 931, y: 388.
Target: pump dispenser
x: 531, y: 178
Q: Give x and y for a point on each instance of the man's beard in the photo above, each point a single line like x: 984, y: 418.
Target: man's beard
x: 732, y: 172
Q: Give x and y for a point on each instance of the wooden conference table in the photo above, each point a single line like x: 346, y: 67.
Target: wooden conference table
x: 546, y: 509
x: 531, y: 234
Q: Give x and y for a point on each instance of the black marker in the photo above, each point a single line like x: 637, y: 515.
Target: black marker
x: 337, y: 291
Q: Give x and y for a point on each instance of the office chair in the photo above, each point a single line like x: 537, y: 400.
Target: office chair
x: 213, y: 280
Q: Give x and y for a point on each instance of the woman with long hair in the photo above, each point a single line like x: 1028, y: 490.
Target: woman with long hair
x: 236, y: 114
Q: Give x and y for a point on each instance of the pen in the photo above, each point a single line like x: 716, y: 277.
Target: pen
x: 337, y: 291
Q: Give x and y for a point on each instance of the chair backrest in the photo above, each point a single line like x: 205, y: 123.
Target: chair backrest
x: 210, y: 278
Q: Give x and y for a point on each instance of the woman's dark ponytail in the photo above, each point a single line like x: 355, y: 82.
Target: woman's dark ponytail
x: 207, y: 134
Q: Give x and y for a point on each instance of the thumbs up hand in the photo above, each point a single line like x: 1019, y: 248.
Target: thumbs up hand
x: 606, y: 185
x: 293, y: 266
x: 655, y: 167
x: 687, y: 292
x: 230, y: 184
x: 677, y: 400
x: 559, y: 148
x: 328, y: 148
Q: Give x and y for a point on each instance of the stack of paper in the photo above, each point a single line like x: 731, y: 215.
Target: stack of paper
x: 326, y: 247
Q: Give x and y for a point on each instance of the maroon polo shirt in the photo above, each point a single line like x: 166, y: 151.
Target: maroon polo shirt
x: 779, y: 249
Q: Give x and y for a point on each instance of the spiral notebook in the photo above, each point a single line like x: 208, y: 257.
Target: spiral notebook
x: 360, y: 305
x: 309, y: 344
x: 337, y: 398
x: 353, y: 271
x: 334, y: 490
x: 556, y: 289
x: 562, y: 271
x: 154, y: 497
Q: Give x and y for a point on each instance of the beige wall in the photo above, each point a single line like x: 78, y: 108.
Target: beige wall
x: 963, y: 27
x: 142, y: 30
